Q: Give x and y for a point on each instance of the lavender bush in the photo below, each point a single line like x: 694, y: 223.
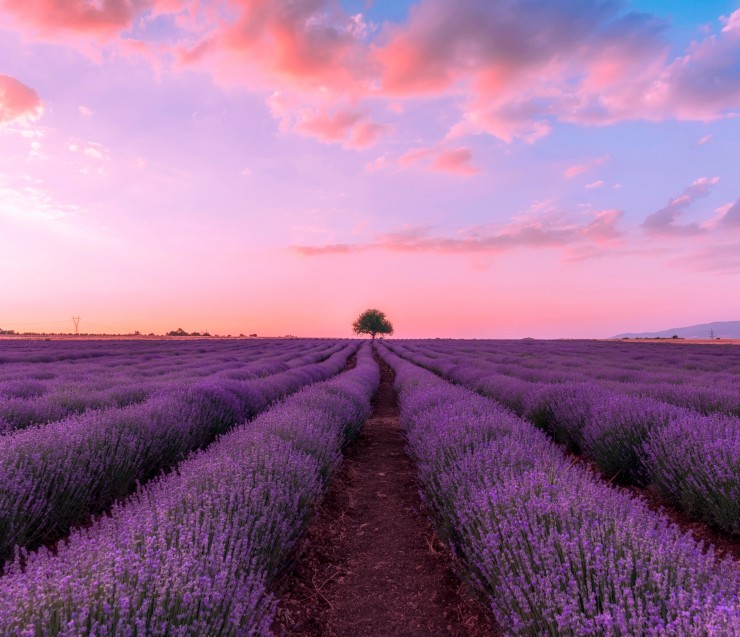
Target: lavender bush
x: 612, y: 428
x: 702, y: 378
x: 616, y: 431
x: 194, y: 552
x: 555, y: 551
x: 76, y: 386
x: 696, y: 463
x: 53, y: 476
x: 564, y: 556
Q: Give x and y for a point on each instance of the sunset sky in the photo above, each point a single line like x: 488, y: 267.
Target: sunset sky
x: 489, y: 168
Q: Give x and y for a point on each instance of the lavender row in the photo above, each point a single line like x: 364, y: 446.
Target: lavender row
x: 41, y: 351
x: 153, y: 365
x: 657, y: 372
x: 38, y: 351
x: 26, y: 401
x: 194, y: 553
x: 629, y: 360
x: 165, y: 358
x: 52, y: 477
x: 77, y: 396
x: 91, y: 389
x: 553, y: 550
x: 692, y: 459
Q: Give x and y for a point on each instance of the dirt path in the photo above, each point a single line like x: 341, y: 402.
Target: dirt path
x: 370, y: 564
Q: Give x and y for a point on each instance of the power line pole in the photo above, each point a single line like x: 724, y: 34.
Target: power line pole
x: 76, y: 321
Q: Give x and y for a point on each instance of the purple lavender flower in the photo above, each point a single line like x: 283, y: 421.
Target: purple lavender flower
x: 54, y: 475
x: 555, y: 550
x: 695, y: 462
x: 609, y: 410
x: 194, y: 552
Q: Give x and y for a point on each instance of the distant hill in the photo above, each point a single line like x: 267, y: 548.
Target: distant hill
x: 721, y: 329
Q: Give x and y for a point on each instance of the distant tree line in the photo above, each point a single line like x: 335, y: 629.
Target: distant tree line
x: 181, y: 332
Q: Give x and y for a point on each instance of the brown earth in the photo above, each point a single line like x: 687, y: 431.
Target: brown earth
x: 370, y: 563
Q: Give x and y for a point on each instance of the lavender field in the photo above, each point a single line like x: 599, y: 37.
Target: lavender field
x: 644, y: 413
x: 163, y: 488
x: 554, y: 548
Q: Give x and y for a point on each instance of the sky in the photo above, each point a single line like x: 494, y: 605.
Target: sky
x: 473, y: 168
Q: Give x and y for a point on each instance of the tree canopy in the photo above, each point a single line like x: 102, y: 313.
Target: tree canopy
x: 372, y: 322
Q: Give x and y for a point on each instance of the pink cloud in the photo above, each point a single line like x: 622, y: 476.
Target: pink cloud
x: 106, y: 18
x: 721, y: 258
x: 331, y: 127
x: 377, y: 164
x: 91, y: 150
x: 336, y: 248
x: 522, y: 65
x: 311, y: 48
x: 309, y: 45
x: 731, y: 217
x: 551, y: 230
x: 350, y: 127
x: 508, y: 124
x: 366, y: 134
x: 704, y: 140
x: 664, y: 221
x: 579, y: 169
x: 491, y: 43
x: 17, y: 101
x: 594, y: 184
x: 603, y: 229
x: 457, y: 161
x: 574, y: 171
x: 311, y: 53
x: 517, y: 67
x: 704, y: 84
x: 414, y: 156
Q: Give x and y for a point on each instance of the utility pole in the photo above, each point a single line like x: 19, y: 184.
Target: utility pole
x: 711, y: 334
x: 76, y: 321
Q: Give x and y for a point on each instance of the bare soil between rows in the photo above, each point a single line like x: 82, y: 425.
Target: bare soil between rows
x: 370, y: 563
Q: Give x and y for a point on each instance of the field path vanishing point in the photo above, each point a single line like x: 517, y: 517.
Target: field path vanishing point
x: 370, y: 563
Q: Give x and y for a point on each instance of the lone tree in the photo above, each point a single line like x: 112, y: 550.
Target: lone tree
x: 372, y: 322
